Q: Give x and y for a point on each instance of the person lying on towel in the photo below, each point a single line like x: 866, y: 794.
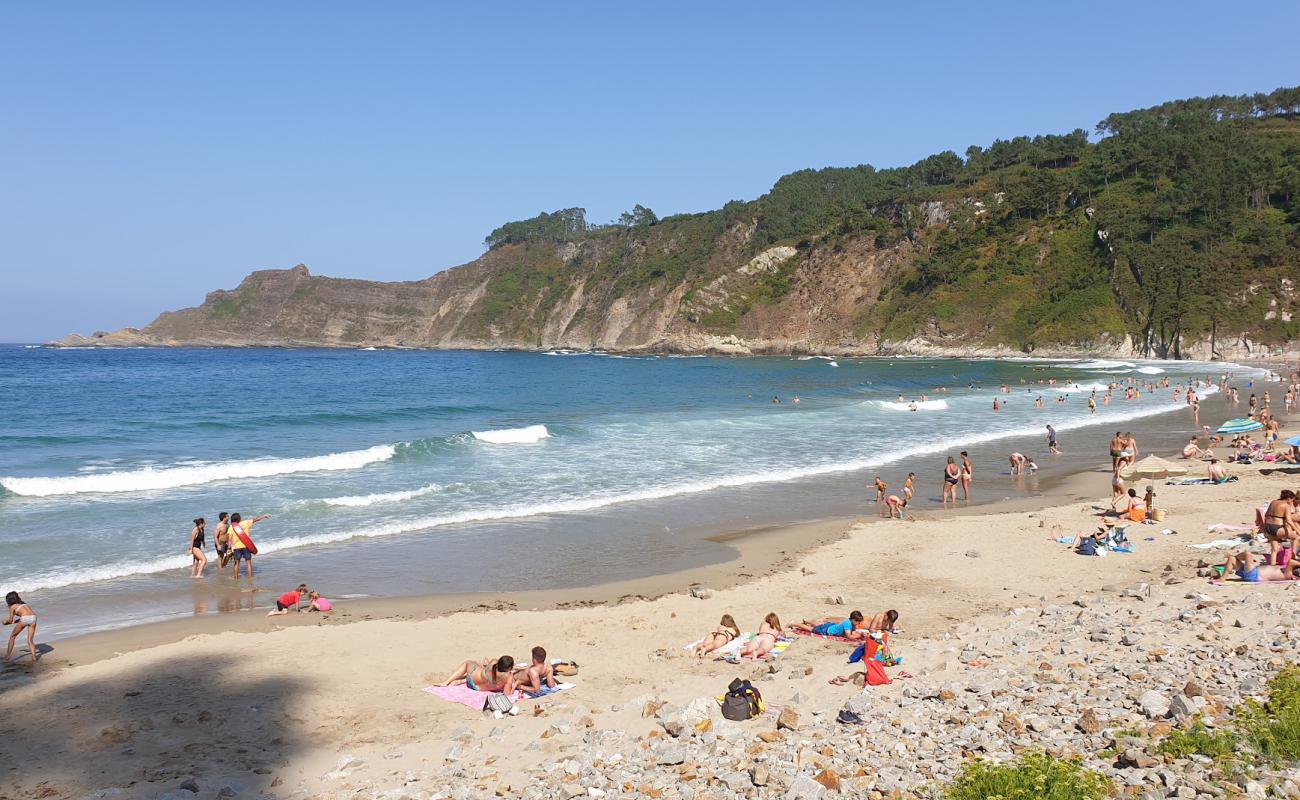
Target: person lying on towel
x: 1247, y: 567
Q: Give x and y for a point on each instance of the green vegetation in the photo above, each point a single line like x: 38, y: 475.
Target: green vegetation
x: 1266, y: 733
x: 1172, y: 224
x: 1032, y: 776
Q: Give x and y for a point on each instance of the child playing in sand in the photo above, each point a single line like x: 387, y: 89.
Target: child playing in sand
x: 880, y: 489
x: 768, y: 633
x: 289, y: 600
x: 895, y: 505
x: 725, y: 633
x: 849, y: 627
x: 318, y: 603
x: 22, y: 617
x: 532, y: 678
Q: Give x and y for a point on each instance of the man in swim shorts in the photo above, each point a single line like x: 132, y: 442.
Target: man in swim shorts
x: 1244, y: 566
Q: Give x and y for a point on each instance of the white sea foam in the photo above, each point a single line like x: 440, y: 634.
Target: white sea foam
x: 1100, y: 364
x: 1075, y: 388
x: 1150, y: 370
x: 921, y: 405
x: 362, y: 500
x: 149, y: 478
x: 591, y: 503
x: 528, y: 435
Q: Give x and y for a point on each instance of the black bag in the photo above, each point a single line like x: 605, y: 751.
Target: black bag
x: 742, y: 701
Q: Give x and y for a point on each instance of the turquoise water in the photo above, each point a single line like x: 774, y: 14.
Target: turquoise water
x: 412, y: 471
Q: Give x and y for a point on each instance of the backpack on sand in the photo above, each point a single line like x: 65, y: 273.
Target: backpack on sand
x: 742, y: 701
x: 498, y: 702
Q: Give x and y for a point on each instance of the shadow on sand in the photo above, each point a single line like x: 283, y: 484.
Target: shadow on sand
x: 146, y: 732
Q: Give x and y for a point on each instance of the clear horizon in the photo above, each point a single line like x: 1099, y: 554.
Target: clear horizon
x: 154, y: 152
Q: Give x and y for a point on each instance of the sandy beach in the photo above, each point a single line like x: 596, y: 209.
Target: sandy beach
x: 271, y: 706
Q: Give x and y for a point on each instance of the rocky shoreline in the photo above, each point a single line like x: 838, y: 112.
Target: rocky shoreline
x: 1106, y: 677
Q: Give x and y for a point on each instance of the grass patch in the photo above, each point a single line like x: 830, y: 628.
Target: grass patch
x: 1032, y: 776
x: 1220, y: 745
x: 1267, y: 733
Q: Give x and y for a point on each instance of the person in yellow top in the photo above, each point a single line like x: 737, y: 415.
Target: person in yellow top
x: 238, y: 550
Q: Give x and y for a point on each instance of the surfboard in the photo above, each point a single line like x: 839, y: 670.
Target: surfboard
x: 248, y: 542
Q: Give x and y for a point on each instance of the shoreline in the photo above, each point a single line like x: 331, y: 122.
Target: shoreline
x: 760, y: 553
x: 307, y: 709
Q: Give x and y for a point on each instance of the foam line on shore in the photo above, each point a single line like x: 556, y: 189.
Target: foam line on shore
x: 584, y: 504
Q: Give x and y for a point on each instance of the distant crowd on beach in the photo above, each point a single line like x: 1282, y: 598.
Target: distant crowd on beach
x: 957, y: 475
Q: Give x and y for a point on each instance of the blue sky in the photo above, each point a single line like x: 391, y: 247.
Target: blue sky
x: 153, y: 151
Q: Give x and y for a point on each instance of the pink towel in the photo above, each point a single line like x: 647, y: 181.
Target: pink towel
x: 460, y: 693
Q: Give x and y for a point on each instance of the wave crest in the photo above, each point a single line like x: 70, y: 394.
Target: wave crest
x: 527, y: 435
x: 149, y: 478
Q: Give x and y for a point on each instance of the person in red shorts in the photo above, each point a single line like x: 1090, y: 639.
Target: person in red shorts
x: 289, y: 600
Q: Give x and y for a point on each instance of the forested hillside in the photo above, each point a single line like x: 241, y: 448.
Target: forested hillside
x: 1168, y: 231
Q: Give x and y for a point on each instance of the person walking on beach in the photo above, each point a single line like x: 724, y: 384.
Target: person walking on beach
x: 908, y: 486
x: 1130, y: 448
x: 1116, y: 451
x: 239, y: 531
x: 1052, y: 446
x: 880, y: 489
x: 196, y: 549
x: 221, y: 539
x: 967, y: 474
x: 23, y: 617
x: 951, y: 477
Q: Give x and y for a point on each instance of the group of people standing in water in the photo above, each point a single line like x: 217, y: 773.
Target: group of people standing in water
x: 232, y: 539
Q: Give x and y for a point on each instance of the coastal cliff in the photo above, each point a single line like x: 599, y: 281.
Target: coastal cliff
x: 1175, y: 234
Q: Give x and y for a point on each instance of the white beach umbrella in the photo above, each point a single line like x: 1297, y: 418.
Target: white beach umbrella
x: 1154, y: 467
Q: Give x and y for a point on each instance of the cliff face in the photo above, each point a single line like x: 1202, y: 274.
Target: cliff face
x: 781, y: 300
x: 1174, y: 235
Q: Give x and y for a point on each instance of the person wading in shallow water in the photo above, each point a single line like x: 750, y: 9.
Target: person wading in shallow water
x: 238, y: 550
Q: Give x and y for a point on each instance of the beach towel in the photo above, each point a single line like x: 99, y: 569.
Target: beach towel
x: 1223, y: 527
x: 732, y: 646
x: 1200, y: 481
x: 1220, y: 544
x: 460, y: 693
x: 731, y: 652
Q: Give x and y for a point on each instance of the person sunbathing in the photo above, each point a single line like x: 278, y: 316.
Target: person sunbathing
x: 1245, y: 567
x: 849, y: 627
x: 532, y: 678
x: 1215, y: 471
x: 882, y: 622
x: 1192, y: 449
x: 485, y: 675
x: 768, y: 634
x: 723, y: 635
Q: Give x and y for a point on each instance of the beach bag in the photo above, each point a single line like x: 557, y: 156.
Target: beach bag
x: 1087, y: 546
x: 565, y: 669
x: 498, y: 702
x: 875, y: 672
x: 742, y: 701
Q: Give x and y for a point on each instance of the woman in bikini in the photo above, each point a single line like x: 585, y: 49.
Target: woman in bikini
x: 951, y: 477
x: 196, y: 549
x: 1279, y: 524
x: 768, y: 633
x: 967, y: 473
x: 22, y: 617
x: 726, y: 632
x: 485, y: 675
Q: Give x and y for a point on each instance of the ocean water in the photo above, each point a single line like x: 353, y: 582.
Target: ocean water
x: 398, y: 472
